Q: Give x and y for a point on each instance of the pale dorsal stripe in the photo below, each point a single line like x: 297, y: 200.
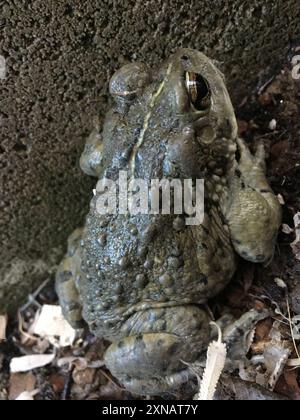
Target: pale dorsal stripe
x: 146, y: 121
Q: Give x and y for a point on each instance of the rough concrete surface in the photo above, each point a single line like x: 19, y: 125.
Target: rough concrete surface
x: 59, y: 57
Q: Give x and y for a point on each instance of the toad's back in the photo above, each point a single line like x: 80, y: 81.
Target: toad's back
x: 140, y: 278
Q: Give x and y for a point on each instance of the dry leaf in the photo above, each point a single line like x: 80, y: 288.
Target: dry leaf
x: 286, y: 229
x: 19, y: 383
x: 27, y: 363
x: 273, y: 124
x: 51, y: 323
x: 243, y: 126
x: 84, y: 377
x: 280, y: 283
x: 238, y: 335
x: 244, y: 391
x: 293, y: 363
x: 263, y: 328
x: 270, y: 354
x: 281, y: 199
x: 288, y: 384
x: 275, y: 358
x: 58, y: 382
x: 215, y: 362
x: 296, y: 244
x: 111, y: 391
x: 27, y: 396
x: 3, y: 324
x: 80, y: 363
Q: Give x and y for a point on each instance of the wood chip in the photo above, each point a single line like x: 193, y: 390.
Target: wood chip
x: 3, y: 324
x: 287, y: 229
x: 288, y: 384
x: 293, y: 363
x: 273, y: 124
x: 296, y: 244
x: 281, y: 199
x: 21, y: 382
x: 27, y: 363
x: 84, y: 377
x: 51, y: 323
x: 280, y: 283
x: 27, y: 396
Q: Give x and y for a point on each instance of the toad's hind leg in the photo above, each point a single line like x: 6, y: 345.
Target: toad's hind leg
x: 253, y: 211
x: 154, y: 347
x: 67, y: 278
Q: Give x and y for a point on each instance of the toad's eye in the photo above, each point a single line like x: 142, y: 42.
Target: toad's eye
x: 198, y: 90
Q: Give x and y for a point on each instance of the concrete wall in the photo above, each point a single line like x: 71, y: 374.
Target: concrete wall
x: 60, y: 55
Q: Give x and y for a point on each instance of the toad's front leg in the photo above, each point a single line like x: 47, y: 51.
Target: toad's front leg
x: 68, y: 274
x: 253, y: 211
x: 92, y: 156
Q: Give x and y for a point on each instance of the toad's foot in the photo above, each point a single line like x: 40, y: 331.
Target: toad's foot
x: 253, y: 211
x: 67, y: 275
x: 152, y: 357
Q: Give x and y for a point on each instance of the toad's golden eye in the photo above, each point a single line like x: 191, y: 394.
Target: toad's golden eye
x: 198, y: 90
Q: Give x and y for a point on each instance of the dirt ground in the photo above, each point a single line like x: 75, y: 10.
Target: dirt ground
x: 270, y: 113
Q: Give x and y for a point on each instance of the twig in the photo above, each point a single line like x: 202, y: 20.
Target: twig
x: 110, y: 379
x: 22, y: 331
x: 32, y: 297
x: 265, y: 85
x: 65, y: 395
x: 291, y: 326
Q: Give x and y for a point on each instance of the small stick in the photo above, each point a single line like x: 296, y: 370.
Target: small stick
x: 291, y: 326
x: 65, y: 395
x: 32, y: 297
